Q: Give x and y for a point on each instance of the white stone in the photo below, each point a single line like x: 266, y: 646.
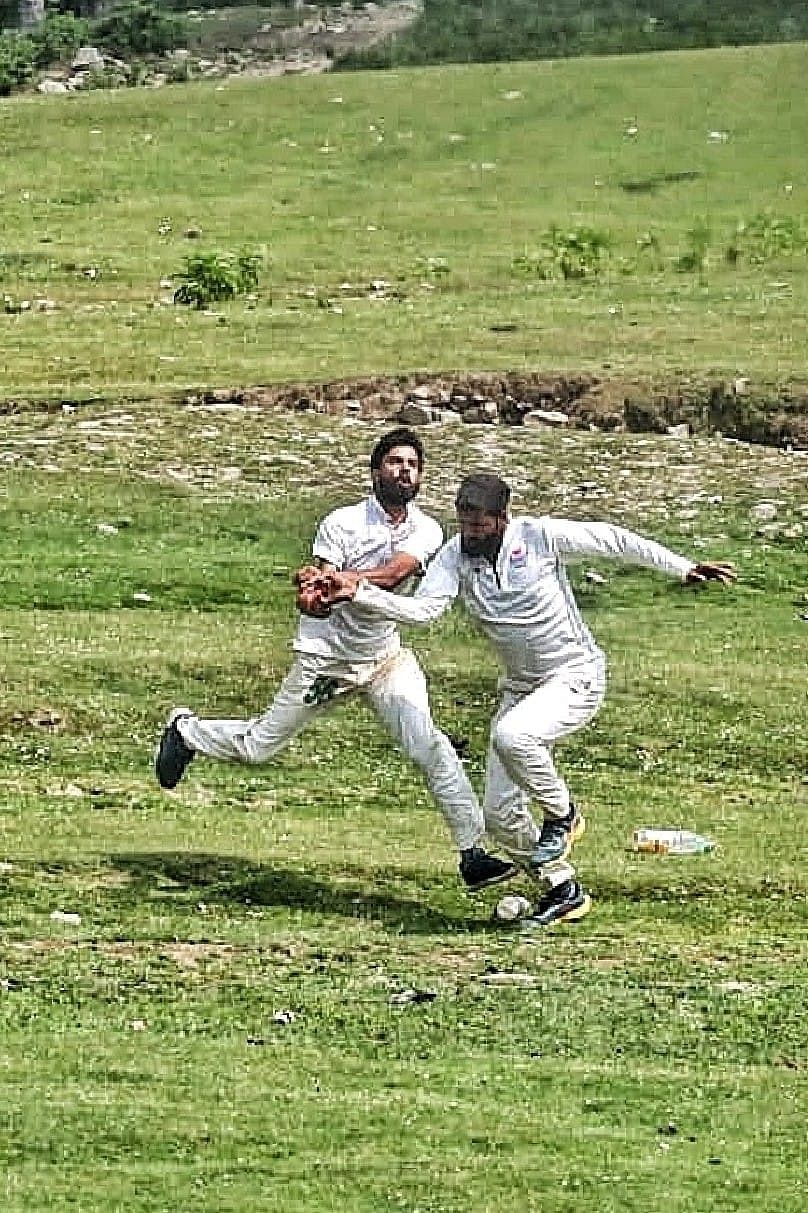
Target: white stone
x: 87, y: 57
x: 764, y: 511
x: 546, y: 417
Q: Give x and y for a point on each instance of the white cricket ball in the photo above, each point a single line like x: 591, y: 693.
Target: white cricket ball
x: 511, y: 908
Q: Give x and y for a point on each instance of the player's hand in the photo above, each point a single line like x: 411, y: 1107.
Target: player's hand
x: 340, y: 587
x: 721, y: 571
x: 306, y: 574
x: 311, y: 597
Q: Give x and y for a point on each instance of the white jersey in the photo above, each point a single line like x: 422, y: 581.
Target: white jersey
x: 363, y: 536
x: 524, y: 603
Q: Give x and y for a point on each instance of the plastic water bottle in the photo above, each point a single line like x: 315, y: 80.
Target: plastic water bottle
x: 671, y: 842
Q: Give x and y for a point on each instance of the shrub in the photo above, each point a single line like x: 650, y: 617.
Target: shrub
x: 432, y: 267
x: 16, y: 62
x: 765, y: 238
x: 140, y: 27
x: 566, y: 253
x: 694, y: 258
x: 216, y: 277
x: 58, y: 37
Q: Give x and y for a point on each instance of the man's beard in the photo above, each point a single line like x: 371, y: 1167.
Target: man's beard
x: 485, y: 546
x: 391, y: 493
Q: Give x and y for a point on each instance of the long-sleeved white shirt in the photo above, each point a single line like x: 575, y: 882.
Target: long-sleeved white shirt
x: 524, y: 603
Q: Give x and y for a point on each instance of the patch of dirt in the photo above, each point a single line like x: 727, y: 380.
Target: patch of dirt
x: 333, y: 31
x: 768, y: 414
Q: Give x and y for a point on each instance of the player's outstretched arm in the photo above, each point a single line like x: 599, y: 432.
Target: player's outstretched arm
x: 389, y: 576
x: 721, y: 571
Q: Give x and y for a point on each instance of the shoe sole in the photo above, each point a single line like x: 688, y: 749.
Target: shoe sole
x: 576, y: 833
x: 494, y: 880
x: 573, y: 915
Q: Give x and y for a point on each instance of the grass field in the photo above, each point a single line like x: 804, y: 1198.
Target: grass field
x: 275, y: 994
x: 435, y: 182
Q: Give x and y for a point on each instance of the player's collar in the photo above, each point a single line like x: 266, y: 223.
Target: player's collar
x: 379, y: 514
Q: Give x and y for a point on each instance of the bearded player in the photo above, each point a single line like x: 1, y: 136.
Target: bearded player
x: 510, y: 573
x: 349, y: 650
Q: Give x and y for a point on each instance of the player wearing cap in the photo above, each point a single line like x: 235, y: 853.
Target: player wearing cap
x: 510, y: 575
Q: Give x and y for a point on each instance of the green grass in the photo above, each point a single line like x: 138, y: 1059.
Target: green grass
x: 220, y: 1031
x: 350, y: 179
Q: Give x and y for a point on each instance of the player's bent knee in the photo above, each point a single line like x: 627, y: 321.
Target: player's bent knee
x: 508, y: 741
x: 516, y: 745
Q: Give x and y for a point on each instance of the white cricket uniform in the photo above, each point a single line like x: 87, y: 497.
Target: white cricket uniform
x: 554, y: 673
x: 355, y: 649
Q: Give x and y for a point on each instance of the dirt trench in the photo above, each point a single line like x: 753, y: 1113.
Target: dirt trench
x: 768, y: 414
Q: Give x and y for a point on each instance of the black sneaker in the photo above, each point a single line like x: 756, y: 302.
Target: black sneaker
x: 478, y: 869
x: 557, y: 837
x: 567, y: 903
x: 173, y: 752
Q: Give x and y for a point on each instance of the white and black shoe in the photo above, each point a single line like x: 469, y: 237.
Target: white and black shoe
x: 569, y: 902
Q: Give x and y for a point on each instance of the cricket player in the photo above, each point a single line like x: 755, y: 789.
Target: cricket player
x: 510, y: 575
x: 387, y: 540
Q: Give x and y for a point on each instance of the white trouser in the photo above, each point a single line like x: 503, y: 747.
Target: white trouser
x: 520, y: 757
x: 396, y: 689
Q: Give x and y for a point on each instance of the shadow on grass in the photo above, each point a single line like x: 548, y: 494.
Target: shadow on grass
x: 220, y: 878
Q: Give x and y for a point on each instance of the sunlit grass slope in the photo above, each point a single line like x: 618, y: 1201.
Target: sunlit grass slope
x: 433, y: 182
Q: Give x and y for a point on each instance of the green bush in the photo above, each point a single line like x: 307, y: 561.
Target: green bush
x: 21, y: 55
x: 58, y: 37
x: 694, y: 258
x: 566, y: 253
x: 141, y: 28
x: 216, y: 277
x: 765, y: 238
x: 16, y: 62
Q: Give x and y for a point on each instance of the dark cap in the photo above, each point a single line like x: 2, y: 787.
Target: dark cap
x: 483, y: 491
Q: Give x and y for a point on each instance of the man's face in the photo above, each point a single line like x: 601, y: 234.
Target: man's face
x: 480, y: 533
x: 398, y: 477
